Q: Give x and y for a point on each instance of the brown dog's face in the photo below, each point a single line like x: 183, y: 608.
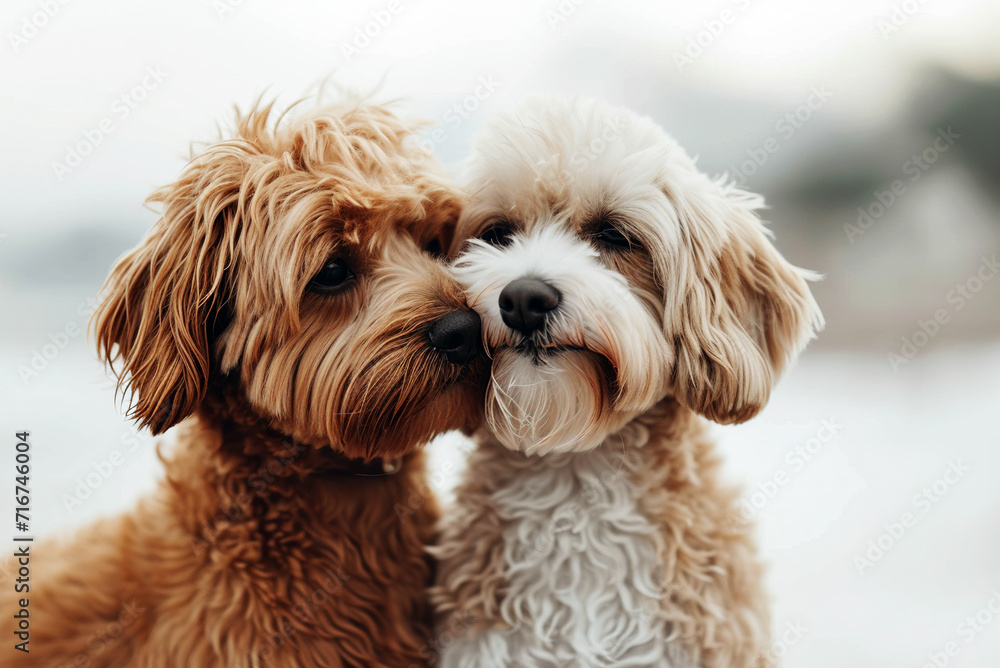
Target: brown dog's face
x: 301, y: 264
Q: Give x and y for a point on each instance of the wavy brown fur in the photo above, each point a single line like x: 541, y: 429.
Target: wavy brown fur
x: 257, y: 549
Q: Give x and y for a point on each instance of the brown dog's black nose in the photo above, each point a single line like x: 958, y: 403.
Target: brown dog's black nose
x: 457, y: 335
x: 525, y: 303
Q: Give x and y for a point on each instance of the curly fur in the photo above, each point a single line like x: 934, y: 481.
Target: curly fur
x: 591, y: 528
x: 258, y: 548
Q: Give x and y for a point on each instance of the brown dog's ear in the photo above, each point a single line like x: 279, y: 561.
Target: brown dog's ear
x: 740, y: 311
x: 447, y: 207
x: 162, y: 299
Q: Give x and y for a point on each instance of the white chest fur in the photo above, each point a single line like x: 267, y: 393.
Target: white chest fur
x: 583, y: 583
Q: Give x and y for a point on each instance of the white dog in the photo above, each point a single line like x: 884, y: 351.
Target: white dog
x: 621, y: 292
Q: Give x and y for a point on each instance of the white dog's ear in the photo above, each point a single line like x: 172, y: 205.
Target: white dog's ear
x: 738, y: 312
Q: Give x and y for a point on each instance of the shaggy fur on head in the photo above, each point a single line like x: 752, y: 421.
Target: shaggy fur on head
x: 591, y: 528
x: 281, y: 308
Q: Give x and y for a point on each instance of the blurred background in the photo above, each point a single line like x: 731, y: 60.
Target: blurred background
x: 872, y: 127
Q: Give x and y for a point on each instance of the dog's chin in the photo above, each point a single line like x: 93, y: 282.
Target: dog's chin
x: 395, y: 430
x: 551, y: 399
x: 392, y: 415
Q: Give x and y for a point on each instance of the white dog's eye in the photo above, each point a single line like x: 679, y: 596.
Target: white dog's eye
x: 498, y: 234
x: 334, y: 275
x: 611, y: 237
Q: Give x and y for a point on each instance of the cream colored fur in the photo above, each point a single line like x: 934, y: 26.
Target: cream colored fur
x: 592, y: 528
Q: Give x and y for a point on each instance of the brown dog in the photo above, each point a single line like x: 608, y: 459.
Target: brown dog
x: 287, y: 301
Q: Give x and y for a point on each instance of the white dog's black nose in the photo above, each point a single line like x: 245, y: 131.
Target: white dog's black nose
x: 457, y: 335
x: 525, y: 303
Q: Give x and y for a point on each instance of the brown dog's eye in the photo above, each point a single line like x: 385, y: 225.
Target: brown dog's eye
x: 434, y: 248
x: 499, y: 234
x: 334, y: 275
x: 611, y: 237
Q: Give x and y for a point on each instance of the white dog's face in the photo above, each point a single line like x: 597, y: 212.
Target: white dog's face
x: 609, y: 273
